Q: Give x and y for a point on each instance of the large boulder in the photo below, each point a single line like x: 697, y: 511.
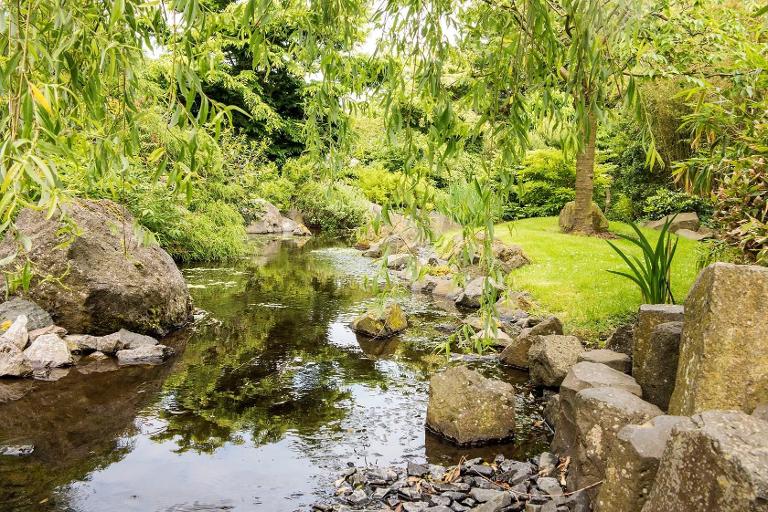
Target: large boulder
x: 657, y: 373
x: 632, y: 463
x: 649, y: 316
x: 567, y: 218
x: 98, y: 276
x: 48, y: 351
x: 616, y: 360
x: 550, y: 357
x: 580, y: 377
x: 470, y: 409
x: 516, y: 353
x: 721, y: 464
x: 599, y: 415
x: 724, y: 345
x: 381, y: 322
x: 685, y: 220
x: 37, y: 317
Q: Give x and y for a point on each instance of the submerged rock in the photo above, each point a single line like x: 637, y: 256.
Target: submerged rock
x: 105, y: 277
x: 470, y: 409
x: 381, y: 323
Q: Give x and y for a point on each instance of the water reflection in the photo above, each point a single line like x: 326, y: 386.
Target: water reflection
x: 271, y: 395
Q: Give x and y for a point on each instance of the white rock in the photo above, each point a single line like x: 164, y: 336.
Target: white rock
x: 48, y: 351
x: 147, y: 354
x: 17, y: 333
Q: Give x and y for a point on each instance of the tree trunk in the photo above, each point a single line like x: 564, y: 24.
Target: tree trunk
x: 585, y: 173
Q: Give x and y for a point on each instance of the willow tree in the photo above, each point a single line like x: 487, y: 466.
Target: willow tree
x: 508, y: 52
x: 72, y: 95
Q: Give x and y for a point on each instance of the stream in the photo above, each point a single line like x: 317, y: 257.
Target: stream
x: 268, y: 398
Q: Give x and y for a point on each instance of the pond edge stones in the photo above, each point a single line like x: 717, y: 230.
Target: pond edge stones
x: 381, y: 322
x: 469, y: 409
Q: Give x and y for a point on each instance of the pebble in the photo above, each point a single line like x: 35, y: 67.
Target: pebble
x: 505, y: 486
x: 18, y: 450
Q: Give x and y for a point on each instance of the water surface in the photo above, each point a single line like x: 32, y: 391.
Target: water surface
x: 269, y: 396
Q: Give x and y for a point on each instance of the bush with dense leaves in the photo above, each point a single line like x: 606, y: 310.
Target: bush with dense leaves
x: 665, y: 202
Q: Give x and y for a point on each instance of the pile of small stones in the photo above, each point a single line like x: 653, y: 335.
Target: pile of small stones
x: 502, y: 485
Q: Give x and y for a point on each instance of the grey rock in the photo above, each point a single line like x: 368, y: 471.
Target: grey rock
x: 649, y: 316
x: 633, y: 461
x: 495, y: 504
x: 417, y: 469
x: 51, y: 329
x: 684, y: 220
x: 723, y: 355
x: 472, y: 294
x: 105, y: 277
x: 12, y: 361
x: 16, y: 450
x: 552, y: 410
x: 721, y: 464
x: 48, y: 351
x: 398, y: 261
x: 761, y: 412
x: 622, y: 339
x: 467, y: 408
x: 547, y: 462
x: 37, y: 317
x: 483, y: 495
x: 550, y: 486
x: 599, y: 414
x: 357, y: 497
x: 616, y: 360
x: 657, y: 374
x: 17, y: 333
x: 550, y: 357
x: 143, y: 355
x: 124, y: 339
x: 516, y: 353
x: 584, y: 376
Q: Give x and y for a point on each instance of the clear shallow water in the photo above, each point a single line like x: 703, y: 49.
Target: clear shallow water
x: 269, y: 396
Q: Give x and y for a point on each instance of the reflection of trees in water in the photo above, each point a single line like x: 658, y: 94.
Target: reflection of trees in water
x: 74, y: 424
x: 269, y: 367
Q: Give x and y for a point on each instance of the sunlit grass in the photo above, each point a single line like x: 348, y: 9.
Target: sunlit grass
x: 567, y: 275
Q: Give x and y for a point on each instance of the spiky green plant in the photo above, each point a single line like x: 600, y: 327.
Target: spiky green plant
x: 653, y: 273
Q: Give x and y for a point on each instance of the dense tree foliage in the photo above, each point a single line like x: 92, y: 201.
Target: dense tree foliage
x: 512, y: 108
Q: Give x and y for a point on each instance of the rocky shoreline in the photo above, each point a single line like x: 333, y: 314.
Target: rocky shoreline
x: 498, y: 485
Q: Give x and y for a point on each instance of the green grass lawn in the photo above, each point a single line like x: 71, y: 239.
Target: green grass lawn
x: 567, y: 275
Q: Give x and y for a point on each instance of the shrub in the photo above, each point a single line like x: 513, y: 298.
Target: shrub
x: 545, y: 182
x: 666, y: 202
x: 332, y: 208
x: 621, y: 209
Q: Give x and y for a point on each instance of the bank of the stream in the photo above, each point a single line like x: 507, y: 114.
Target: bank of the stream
x: 269, y: 396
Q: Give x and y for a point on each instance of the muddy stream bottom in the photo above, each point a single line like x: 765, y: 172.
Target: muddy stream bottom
x: 269, y: 397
